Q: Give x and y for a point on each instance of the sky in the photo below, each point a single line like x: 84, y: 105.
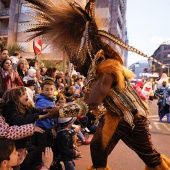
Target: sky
x: 148, y: 26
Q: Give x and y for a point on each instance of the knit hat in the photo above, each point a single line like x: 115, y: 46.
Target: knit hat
x: 30, y: 83
x: 66, y: 121
x: 31, y: 71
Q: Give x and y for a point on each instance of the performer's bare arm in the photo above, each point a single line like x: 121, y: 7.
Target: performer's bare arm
x: 99, y: 91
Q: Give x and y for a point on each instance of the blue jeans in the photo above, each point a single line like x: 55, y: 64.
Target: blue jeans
x: 69, y: 165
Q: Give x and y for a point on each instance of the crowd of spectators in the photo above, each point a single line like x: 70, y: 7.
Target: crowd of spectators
x: 45, y: 87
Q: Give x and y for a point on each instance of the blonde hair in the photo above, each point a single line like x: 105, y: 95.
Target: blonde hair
x: 22, y: 60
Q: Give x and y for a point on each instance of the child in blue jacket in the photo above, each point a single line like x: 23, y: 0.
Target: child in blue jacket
x: 44, y: 100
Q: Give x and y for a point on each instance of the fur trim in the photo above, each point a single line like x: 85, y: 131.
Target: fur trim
x: 165, y: 164
x: 92, y: 168
x: 111, y: 66
x: 109, y: 128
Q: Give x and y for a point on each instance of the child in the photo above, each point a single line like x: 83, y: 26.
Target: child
x: 30, y: 76
x: 63, y: 146
x: 17, y: 110
x: 32, y: 73
x: 8, y: 154
x: 45, y: 99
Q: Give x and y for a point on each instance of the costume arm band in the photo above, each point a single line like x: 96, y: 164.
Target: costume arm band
x: 73, y: 109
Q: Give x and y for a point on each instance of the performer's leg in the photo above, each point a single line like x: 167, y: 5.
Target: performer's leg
x: 139, y: 139
x: 98, y: 154
x: 166, y: 110
x: 160, y: 106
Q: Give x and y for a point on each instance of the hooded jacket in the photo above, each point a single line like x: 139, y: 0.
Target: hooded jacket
x: 43, y: 101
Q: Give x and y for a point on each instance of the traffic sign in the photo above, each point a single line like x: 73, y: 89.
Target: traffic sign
x: 37, y: 46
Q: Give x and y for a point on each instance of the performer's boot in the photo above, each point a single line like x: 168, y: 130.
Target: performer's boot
x: 92, y: 168
x: 165, y: 164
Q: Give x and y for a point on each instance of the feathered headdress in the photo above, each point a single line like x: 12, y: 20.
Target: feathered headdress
x: 73, y: 29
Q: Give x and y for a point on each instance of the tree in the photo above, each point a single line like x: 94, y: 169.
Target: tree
x: 14, y: 47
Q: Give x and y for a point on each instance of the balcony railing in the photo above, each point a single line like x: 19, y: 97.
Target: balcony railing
x: 3, y: 32
x: 4, y: 12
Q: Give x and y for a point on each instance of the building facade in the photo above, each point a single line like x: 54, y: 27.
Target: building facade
x: 162, y: 54
x: 4, y: 19
x: 112, y: 14
x: 140, y: 69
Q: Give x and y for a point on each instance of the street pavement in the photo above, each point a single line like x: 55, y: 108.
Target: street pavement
x: 122, y: 157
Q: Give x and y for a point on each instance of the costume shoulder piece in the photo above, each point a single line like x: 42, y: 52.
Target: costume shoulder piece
x: 101, y: 65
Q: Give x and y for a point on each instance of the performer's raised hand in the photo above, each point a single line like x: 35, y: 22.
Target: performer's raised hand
x: 52, y: 112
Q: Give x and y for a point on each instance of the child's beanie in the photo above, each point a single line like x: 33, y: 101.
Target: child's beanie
x: 66, y: 121
x: 31, y: 71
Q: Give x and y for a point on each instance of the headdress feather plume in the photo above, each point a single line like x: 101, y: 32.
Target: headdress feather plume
x: 73, y: 29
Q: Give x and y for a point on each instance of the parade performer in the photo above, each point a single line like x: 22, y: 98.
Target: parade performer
x: 164, y: 77
x: 74, y: 31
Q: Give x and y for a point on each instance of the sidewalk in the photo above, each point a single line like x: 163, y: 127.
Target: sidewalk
x: 85, y: 161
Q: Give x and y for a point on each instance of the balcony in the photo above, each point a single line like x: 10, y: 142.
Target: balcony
x: 119, y: 30
x: 4, y: 12
x: 3, y: 32
x: 6, y: 2
x: 120, y: 15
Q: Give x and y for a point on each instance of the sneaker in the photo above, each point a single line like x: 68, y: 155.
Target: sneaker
x: 160, y: 120
x: 86, y: 129
x: 79, y: 155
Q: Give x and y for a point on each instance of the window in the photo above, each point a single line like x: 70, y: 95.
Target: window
x: 25, y: 8
x: 165, y: 47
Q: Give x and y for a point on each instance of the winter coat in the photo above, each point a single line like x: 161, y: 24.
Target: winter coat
x: 8, y: 81
x: 13, y: 117
x: 43, y: 101
x: 162, y: 93
x: 21, y: 74
x: 63, y: 145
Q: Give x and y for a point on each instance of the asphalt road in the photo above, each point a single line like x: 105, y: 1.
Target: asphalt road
x: 123, y: 158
